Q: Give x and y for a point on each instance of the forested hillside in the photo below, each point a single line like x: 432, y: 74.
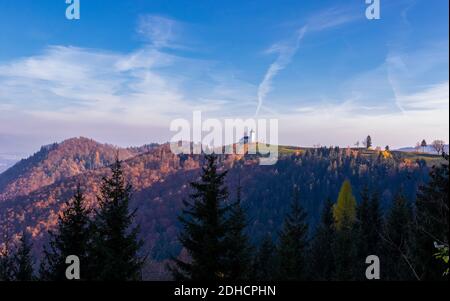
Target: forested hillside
x: 35, y: 190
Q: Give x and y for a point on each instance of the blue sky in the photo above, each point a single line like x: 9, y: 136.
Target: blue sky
x: 123, y: 71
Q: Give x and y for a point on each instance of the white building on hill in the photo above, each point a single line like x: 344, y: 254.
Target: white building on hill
x: 248, y: 138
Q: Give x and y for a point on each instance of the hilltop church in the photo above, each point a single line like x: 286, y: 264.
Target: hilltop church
x: 248, y: 138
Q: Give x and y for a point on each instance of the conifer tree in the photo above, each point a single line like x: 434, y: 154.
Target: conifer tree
x: 265, y: 261
x: 322, y: 266
x: 368, y: 142
x: 239, y: 251
x: 23, y: 262
x: 377, y: 223
x: 72, y: 237
x: 432, y: 210
x: 293, y: 242
x: 396, y: 257
x: 369, y: 226
x: 423, y: 144
x: 116, y: 244
x: 204, y: 228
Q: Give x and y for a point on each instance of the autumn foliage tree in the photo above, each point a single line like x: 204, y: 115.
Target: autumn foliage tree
x: 345, y: 248
x: 344, y: 211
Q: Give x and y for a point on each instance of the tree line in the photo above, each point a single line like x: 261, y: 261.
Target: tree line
x: 411, y: 238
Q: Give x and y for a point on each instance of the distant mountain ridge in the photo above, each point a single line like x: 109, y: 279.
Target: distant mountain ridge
x: 427, y: 150
x: 7, y: 160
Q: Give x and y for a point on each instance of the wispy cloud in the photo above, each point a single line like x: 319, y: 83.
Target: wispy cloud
x: 286, y: 50
x: 406, y: 69
x: 433, y: 98
x: 159, y: 31
x: 332, y: 17
x: 427, y: 116
x: 402, y: 100
x: 80, y: 91
x: 131, y: 97
x: 285, y: 53
x: 71, y: 83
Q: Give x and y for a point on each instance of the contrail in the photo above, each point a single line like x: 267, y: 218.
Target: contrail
x: 327, y: 19
x: 285, y: 54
